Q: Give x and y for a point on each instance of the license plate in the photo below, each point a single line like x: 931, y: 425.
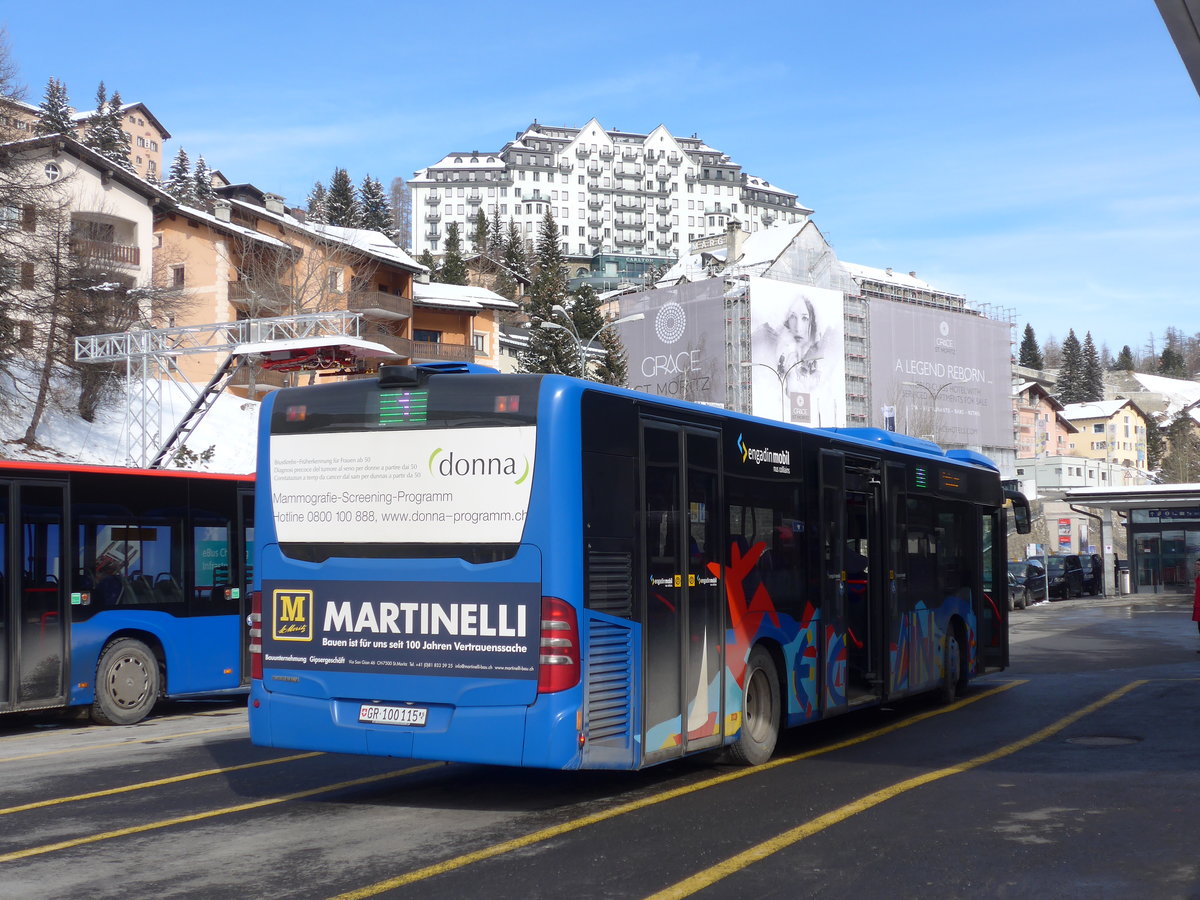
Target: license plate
x: 381, y: 714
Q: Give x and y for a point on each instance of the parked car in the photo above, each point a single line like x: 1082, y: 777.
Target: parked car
x: 1032, y: 577
x: 1064, y: 576
x: 1018, y: 597
x: 1093, y: 574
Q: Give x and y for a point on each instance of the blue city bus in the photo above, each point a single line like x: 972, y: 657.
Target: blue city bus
x: 542, y: 571
x: 120, y: 586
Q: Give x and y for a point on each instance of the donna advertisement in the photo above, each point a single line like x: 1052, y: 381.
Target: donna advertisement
x: 482, y: 629
x: 946, y: 373
x: 464, y: 486
x: 678, y: 349
x: 797, y: 340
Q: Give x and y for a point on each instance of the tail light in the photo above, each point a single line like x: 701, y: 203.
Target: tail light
x: 559, y: 657
x: 254, y: 620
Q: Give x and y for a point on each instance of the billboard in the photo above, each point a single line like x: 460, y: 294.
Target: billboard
x: 947, y: 373
x: 678, y: 349
x: 798, y: 362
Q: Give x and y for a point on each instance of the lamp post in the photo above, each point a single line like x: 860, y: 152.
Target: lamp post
x: 582, y: 347
x: 933, y: 396
x: 782, y: 376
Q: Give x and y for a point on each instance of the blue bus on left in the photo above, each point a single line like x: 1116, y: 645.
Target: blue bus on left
x: 119, y: 587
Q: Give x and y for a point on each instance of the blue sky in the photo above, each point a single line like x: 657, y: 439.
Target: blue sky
x: 1039, y: 157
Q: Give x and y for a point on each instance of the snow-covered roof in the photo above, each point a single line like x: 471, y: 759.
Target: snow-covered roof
x: 1098, y: 409
x: 95, y: 160
x: 248, y: 233
x: 459, y: 296
x: 886, y: 276
x: 370, y: 243
x: 375, y: 243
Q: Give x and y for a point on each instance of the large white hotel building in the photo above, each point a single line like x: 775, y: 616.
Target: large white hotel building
x: 623, y: 201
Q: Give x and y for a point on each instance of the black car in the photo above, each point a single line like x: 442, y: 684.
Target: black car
x: 1031, y: 576
x: 1065, y: 576
x: 1018, y: 597
x: 1093, y: 574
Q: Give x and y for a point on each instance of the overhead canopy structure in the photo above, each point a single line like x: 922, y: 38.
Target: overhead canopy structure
x: 310, y: 341
x: 1158, y: 496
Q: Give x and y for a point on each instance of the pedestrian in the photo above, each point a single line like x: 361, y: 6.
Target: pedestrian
x: 1196, y: 600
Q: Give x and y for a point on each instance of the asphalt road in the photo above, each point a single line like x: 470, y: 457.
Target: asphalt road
x: 1075, y: 773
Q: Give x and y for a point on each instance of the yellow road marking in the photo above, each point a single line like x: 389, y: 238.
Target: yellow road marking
x: 211, y: 814
x: 146, y: 740
x: 546, y: 834
x: 739, y: 861
x: 141, y: 786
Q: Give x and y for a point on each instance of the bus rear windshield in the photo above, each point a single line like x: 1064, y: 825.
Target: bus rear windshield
x: 441, y: 469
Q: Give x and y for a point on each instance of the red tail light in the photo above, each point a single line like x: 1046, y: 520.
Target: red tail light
x: 559, y: 658
x: 254, y: 620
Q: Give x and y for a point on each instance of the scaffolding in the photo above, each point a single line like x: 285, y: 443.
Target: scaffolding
x: 312, y: 341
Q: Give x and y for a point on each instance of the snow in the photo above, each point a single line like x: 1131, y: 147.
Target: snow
x: 230, y: 427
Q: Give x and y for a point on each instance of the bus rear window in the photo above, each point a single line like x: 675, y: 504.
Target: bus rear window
x: 444, y: 401
x: 425, y: 471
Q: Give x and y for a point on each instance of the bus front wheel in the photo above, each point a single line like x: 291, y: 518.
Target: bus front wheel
x: 127, y: 683
x: 760, y: 711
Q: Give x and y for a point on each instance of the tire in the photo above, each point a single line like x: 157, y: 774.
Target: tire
x: 953, y: 677
x: 760, y: 711
x: 127, y: 683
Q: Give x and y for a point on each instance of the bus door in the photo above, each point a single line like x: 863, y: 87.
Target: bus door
x: 993, y: 617
x: 33, y: 613
x: 681, y: 607
x: 244, y: 548
x: 854, y: 579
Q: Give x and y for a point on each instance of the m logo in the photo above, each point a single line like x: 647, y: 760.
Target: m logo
x: 292, y: 614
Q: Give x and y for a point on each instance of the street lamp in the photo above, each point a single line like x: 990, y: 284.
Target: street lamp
x: 782, y: 376
x: 933, y: 396
x: 582, y: 347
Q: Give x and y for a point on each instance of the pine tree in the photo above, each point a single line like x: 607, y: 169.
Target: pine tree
x: 56, y: 111
x: 376, y: 212
x: 93, y: 135
x: 1093, y: 372
x: 202, y: 186
x: 341, y: 201
x: 611, y: 367
x: 317, y: 210
x: 495, y: 242
x: 1124, y: 361
x: 479, y: 231
x: 1070, y: 374
x: 426, y: 259
x: 1170, y: 363
x: 120, y: 144
x: 550, y: 349
x: 1181, y: 462
x: 180, y: 183
x: 454, y: 267
x: 515, y: 259
x: 1030, y: 354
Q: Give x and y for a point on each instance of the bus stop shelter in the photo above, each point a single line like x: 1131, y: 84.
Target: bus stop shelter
x: 1162, y: 528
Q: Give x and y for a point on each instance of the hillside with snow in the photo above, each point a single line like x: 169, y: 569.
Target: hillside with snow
x: 229, y: 428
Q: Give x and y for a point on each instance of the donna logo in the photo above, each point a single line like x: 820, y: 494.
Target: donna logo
x: 448, y: 464
x: 670, y: 322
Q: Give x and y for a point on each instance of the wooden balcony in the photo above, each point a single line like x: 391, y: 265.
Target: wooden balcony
x: 431, y: 351
x: 379, y: 303
x: 87, y: 250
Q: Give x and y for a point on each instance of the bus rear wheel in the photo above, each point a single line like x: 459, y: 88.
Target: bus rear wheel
x: 760, y: 711
x: 127, y: 683
x: 953, y: 678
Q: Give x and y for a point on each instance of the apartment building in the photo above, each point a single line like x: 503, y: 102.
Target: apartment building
x: 106, y: 219
x: 146, y: 134
x: 625, y: 202
x: 1110, y: 430
x: 1038, y: 422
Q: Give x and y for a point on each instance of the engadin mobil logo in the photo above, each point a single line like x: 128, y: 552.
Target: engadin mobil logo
x: 779, y: 460
x: 445, y: 463
x: 292, y: 615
